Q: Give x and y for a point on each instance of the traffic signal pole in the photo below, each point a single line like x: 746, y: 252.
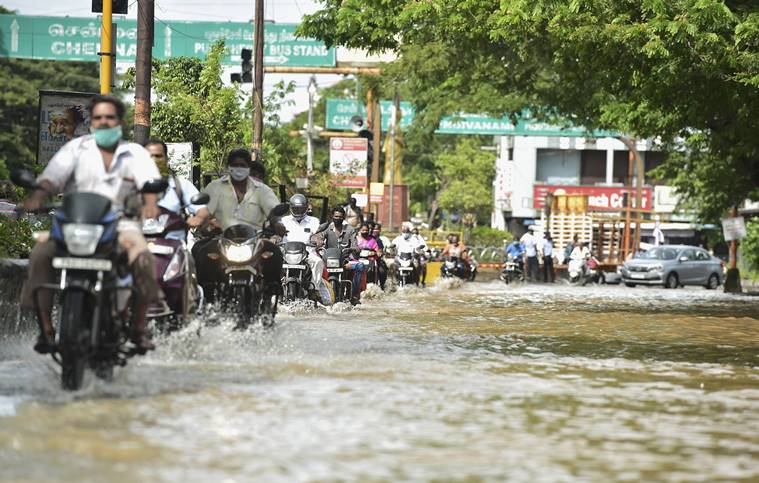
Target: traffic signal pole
x: 143, y: 66
x: 106, y: 73
x: 258, y: 65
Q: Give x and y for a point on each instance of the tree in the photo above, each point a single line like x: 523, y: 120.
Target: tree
x: 683, y: 71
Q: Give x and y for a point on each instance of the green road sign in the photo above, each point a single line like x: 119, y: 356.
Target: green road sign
x: 72, y: 38
x: 340, y: 111
x: 480, y: 124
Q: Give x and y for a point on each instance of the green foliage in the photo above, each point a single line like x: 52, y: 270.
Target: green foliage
x: 464, y: 179
x: 15, y: 237
x: 676, y: 70
x: 485, y: 236
x: 750, y: 245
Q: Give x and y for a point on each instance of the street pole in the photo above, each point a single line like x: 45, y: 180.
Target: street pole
x: 310, y: 127
x: 106, y: 73
x: 143, y: 65
x: 258, y: 66
x: 393, y: 123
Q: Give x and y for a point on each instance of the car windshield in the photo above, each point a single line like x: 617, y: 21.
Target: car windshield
x: 660, y: 253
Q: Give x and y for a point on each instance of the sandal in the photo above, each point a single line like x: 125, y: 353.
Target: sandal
x: 45, y: 343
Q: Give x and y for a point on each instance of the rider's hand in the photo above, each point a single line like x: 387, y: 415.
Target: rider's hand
x: 32, y: 204
x: 150, y: 211
x: 214, y: 223
x: 194, y: 221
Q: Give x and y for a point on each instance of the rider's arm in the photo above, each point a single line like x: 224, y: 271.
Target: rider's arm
x: 54, y: 177
x: 39, y: 196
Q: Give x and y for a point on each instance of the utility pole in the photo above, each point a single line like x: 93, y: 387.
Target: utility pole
x: 258, y: 65
x: 106, y: 73
x: 143, y: 65
x: 393, y: 125
x: 310, y: 127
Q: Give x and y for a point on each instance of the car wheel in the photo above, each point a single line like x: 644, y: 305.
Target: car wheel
x: 672, y: 281
x: 631, y: 285
x: 713, y: 282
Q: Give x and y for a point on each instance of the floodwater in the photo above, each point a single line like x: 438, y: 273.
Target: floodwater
x: 475, y: 383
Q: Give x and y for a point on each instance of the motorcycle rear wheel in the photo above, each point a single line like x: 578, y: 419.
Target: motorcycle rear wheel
x: 73, y: 340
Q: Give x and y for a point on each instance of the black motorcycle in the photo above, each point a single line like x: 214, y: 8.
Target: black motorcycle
x: 406, y: 269
x: 340, y: 279
x: 512, y: 270
x: 296, y: 273
x: 95, y: 286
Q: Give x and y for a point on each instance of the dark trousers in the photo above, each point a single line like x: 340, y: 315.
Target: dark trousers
x: 532, y: 268
x: 548, y: 274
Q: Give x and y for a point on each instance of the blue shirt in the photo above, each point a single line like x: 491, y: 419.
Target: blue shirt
x: 170, y: 201
x: 515, y: 249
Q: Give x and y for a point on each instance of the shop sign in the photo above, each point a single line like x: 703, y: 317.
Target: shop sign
x: 600, y: 198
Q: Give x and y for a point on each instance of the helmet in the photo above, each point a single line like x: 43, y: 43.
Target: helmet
x: 406, y: 227
x: 298, y: 206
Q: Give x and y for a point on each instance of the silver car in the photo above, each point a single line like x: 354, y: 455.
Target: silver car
x: 673, y: 266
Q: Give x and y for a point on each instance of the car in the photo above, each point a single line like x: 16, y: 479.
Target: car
x: 674, y: 266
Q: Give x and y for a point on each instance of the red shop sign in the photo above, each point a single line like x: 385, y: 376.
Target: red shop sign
x: 600, y: 198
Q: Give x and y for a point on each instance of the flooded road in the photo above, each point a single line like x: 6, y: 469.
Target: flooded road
x: 478, y: 383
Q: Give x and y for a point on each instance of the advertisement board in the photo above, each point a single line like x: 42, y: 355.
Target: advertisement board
x: 62, y: 116
x: 180, y: 159
x: 347, y: 161
x: 734, y: 228
x: 600, y: 198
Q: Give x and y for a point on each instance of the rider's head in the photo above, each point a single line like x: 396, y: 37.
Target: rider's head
x: 365, y: 231
x: 298, y: 206
x: 406, y: 230
x: 338, y: 216
x: 415, y: 231
x: 106, y: 120
x: 377, y: 230
x: 238, y: 164
x: 454, y: 239
x: 160, y: 154
x: 352, y: 201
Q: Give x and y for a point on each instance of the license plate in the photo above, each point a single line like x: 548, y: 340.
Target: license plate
x: 334, y: 270
x: 160, y: 249
x: 405, y: 269
x: 638, y: 276
x: 70, y: 263
x: 299, y: 267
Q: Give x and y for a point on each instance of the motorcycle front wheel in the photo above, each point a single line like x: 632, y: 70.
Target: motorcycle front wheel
x: 73, y: 345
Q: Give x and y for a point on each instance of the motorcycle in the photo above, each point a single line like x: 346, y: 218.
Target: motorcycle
x: 175, y: 268
x: 594, y: 273
x: 406, y: 269
x: 95, y: 286
x: 368, y: 257
x: 576, y: 269
x: 296, y: 273
x: 338, y: 277
x: 512, y: 270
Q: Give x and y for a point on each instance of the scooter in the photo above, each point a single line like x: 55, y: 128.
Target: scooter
x: 576, y: 269
x: 175, y: 268
x: 95, y: 286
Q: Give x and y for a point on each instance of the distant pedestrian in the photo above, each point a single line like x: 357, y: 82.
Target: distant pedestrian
x: 530, y: 244
x: 353, y: 214
x: 548, y: 274
x: 570, y: 246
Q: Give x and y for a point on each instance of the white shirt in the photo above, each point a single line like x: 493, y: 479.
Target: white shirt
x: 547, y: 248
x: 530, y: 244
x: 255, y: 206
x: 580, y: 254
x: 302, y: 230
x: 406, y: 246
x: 78, y: 167
x: 170, y: 201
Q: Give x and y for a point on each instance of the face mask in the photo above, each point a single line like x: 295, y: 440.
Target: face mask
x: 406, y: 236
x: 107, y: 137
x: 239, y: 174
x: 338, y: 222
x: 365, y: 234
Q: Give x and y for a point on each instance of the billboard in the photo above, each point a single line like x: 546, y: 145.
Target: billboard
x: 347, y: 161
x: 63, y: 116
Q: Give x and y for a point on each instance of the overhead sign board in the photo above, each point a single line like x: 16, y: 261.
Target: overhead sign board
x: 481, y: 124
x: 62, y: 116
x: 734, y: 228
x: 600, y: 198
x: 340, y: 111
x: 78, y: 38
x: 347, y: 161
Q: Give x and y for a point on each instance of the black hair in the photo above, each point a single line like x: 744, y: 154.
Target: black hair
x: 378, y: 225
x: 365, y: 224
x: 339, y: 209
x: 100, y: 98
x: 243, y: 153
x: 157, y: 141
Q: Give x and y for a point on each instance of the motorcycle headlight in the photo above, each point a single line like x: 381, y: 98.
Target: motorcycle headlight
x: 333, y: 263
x: 155, y: 226
x: 82, y: 239
x: 238, y: 253
x: 174, y: 268
x: 405, y: 262
x: 293, y: 258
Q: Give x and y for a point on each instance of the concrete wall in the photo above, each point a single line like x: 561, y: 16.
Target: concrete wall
x: 12, y: 276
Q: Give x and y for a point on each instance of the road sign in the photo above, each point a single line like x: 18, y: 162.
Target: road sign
x: 78, y: 38
x: 347, y: 160
x: 481, y: 124
x: 734, y: 228
x: 340, y: 111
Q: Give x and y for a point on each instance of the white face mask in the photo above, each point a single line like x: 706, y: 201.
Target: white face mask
x: 239, y: 174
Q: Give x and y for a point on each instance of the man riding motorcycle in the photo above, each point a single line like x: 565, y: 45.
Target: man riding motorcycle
x: 458, y: 250
x: 235, y: 198
x: 105, y: 164
x: 300, y: 227
x: 383, y: 242
x: 339, y: 234
x: 406, y: 242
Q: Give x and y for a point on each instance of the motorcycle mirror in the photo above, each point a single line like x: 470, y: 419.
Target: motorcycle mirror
x: 280, y: 210
x: 155, y: 186
x: 24, y: 178
x: 200, y: 199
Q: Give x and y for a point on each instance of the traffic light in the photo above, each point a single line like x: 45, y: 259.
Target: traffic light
x: 120, y: 7
x: 247, y: 65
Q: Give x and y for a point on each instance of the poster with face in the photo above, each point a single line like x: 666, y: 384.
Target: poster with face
x: 63, y: 116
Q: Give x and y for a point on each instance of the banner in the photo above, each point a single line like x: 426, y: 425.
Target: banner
x: 63, y: 116
x: 600, y: 198
x: 347, y: 160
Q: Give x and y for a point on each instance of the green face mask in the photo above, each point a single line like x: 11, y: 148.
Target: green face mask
x: 107, y: 137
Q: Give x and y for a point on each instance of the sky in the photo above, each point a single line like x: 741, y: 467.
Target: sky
x: 282, y: 11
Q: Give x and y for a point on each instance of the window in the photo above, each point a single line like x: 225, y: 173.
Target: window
x: 702, y: 256
x: 689, y: 254
x: 558, y: 166
x: 593, y: 167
